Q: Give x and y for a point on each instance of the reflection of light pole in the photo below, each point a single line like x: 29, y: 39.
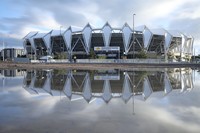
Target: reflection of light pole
x: 133, y: 37
x: 194, y: 55
x: 74, y: 59
x: 133, y: 94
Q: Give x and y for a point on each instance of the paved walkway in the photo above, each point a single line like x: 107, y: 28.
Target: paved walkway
x: 10, y: 65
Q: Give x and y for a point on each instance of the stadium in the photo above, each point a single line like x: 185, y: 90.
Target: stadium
x: 110, y: 43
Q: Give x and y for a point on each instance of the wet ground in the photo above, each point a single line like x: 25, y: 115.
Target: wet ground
x: 60, y: 101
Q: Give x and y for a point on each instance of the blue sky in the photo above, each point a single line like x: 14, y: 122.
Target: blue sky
x: 19, y: 17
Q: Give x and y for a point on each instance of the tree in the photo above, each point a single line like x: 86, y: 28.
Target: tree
x: 142, y: 54
x: 92, y: 54
x: 61, y: 55
x: 170, y: 55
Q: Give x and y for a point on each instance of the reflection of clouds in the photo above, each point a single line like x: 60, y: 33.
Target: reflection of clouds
x: 169, y: 117
x: 191, y: 114
x: 149, y: 117
x: 178, y: 110
x: 197, y: 80
x: 19, y: 99
x: 75, y: 116
x: 9, y: 82
x: 117, y: 117
x: 169, y: 121
x: 89, y: 112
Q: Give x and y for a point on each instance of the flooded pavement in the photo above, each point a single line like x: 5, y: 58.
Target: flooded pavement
x: 60, y: 101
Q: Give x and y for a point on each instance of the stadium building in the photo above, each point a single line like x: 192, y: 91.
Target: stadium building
x: 110, y: 43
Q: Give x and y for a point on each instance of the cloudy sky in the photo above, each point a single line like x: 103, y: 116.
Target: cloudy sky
x: 18, y: 17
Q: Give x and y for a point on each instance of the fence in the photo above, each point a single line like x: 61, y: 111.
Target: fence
x: 50, y: 61
x: 157, y: 61
x: 122, y: 61
x: 21, y: 60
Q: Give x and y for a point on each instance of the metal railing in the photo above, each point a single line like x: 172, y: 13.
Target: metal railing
x: 50, y: 61
x: 121, y: 61
x: 156, y: 61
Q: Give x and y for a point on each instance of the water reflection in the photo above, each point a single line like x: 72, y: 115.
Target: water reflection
x: 9, y: 78
x: 11, y: 73
x: 107, y: 84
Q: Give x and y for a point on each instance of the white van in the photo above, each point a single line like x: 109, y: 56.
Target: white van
x: 47, y: 58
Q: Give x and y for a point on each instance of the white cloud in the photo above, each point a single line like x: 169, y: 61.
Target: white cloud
x: 38, y: 15
x: 46, y: 19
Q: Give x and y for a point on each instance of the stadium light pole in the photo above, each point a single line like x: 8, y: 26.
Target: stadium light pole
x: 133, y: 36
x: 3, y: 51
x: 61, y: 38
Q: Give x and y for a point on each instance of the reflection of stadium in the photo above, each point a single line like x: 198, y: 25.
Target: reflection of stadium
x: 10, y: 78
x: 11, y: 73
x: 107, y: 84
x: 109, y: 42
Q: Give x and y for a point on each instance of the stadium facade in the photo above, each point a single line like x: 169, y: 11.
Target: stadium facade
x: 108, y: 42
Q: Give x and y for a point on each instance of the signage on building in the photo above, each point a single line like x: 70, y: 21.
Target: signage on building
x: 107, y: 77
x: 106, y: 48
x: 112, y: 55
